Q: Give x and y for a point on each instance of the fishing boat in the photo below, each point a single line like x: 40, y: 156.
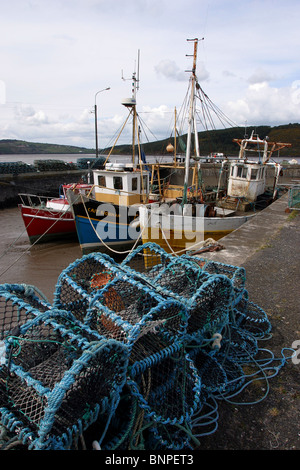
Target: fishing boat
x: 105, y: 218
x: 50, y: 218
x: 184, y: 221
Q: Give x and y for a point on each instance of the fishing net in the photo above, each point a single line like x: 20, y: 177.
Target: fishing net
x: 211, y: 372
x: 127, y: 310
x: 250, y: 317
x: 16, y: 168
x: 209, y: 308
x: 208, y: 297
x: 167, y: 396
x: 235, y: 376
x: 236, y: 274
x: 18, y: 304
x: 78, y: 283
x: 55, y: 381
x: 146, y: 261
x: 238, y: 345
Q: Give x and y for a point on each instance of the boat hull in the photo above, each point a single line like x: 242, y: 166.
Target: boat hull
x: 102, y: 227
x: 47, y: 225
x: 180, y: 233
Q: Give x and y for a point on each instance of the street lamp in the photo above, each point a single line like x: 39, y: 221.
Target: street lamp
x: 96, y: 130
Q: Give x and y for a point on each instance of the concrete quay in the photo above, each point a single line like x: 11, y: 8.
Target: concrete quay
x: 268, y: 247
x: 241, y: 244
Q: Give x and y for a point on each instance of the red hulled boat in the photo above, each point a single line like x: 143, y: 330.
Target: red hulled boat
x: 47, y: 218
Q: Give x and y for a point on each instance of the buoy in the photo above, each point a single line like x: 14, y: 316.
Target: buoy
x: 170, y: 148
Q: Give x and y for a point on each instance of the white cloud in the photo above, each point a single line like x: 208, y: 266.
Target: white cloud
x: 170, y: 70
x: 27, y: 115
x: 264, y: 104
x: 261, y: 75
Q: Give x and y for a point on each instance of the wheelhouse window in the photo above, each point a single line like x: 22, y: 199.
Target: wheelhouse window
x: 262, y: 172
x: 118, y: 182
x: 101, y: 181
x: 134, y: 184
x: 241, y: 172
x: 254, y: 173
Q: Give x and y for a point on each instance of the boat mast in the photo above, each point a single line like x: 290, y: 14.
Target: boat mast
x: 190, y: 121
x: 131, y: 103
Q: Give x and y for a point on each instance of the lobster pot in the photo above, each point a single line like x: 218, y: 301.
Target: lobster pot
x: 209, y: 309
x: 210, y: 370
x: 236, y: 274
x: 131, y: 312
x: 80, y: 281
x: 146, y: 261
x: 55, y: 382
x: 168, y: 394
x: 168, y: 275
x: 252, y: 319
x: 180, y: 279
x: 238, y: 345
x: 118, y: 434
x: 18, y: 304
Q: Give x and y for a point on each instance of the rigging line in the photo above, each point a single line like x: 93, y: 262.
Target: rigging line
x: 105, y: 244
x: 182, y: 114
x: 15, y: 241
x: 219, y: 113
x: 23, y: 231
x: 115, y: 137
x: 29, y: 248
x: 142, y: 122
x: 205, y: 106
x: 201, y: 243
x: 111, y: 150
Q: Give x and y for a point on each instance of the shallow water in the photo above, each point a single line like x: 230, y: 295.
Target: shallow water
x: 38, y: 265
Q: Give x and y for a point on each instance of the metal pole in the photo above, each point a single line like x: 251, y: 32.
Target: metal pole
x: 96, y: 131
x: 96, y: 125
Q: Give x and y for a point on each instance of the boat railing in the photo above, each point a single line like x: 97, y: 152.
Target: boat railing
x: 34, y: 200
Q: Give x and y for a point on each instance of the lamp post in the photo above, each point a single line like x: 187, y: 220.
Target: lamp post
x: 96, y: 129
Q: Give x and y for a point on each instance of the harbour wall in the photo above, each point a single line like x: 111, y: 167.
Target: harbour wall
x: 43, y: 184
x: 47, y: 183
x: 244, y: 242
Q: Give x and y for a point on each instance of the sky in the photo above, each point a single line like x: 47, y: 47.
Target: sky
x: 57, y: 58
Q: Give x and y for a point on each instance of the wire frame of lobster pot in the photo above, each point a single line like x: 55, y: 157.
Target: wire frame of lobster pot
x: 55, y: 382
x: 146, y: 261
x: 238, y: 344
x: 180, y: 279
x: 81, y: 280
x: 209, y: 309
x: 236, y: 274
x: 212, y: 374
x: 18, y: 304
x: 133, y: 313
x: 250, y: 317
x: 168, y: 393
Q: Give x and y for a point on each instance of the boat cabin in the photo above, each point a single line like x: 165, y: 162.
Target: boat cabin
x: 246, y: 180
x: 121, y: 184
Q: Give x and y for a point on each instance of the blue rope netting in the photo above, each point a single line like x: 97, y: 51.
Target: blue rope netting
x: 135, y: 355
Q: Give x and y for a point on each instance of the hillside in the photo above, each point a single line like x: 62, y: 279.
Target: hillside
x: 220, y: 140
x: 13, y: 147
